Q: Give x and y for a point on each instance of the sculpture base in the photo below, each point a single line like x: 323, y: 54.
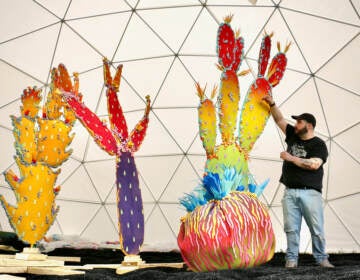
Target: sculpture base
x: 130, y: 263
x: 134, y: 262
x: 31, y: 254
x: 33, y: 262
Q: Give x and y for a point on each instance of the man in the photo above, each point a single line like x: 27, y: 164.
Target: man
x: 302, y: 174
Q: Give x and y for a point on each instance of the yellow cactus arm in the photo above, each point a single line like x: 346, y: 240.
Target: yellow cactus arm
x: 54, y: 103
x: 9, y: 209
x: 229, y: 104
x: 255, y: 111
x: 36, y: 208
x: 53, y: 140
x: 25, y: 138
x: 255, y: 114
x: 207, y: 121
x: 40, y: 143
x: 12, y: 179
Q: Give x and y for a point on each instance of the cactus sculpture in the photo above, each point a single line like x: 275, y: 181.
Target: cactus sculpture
x: 40, y: 143
x: 226, y: 225
x: 117, y: 141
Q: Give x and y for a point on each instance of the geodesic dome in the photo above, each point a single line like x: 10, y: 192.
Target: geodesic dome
x: 165, y: 47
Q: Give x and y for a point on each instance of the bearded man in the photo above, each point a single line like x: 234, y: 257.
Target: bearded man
x: 302, y: 175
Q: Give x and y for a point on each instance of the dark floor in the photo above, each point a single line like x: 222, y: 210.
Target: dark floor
x: 347, y: 267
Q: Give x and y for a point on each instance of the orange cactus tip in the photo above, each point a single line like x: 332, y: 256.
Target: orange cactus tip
x: 31, y: 93
x: 228, y: 18
x: 237, y: 33
x: 64, y: 78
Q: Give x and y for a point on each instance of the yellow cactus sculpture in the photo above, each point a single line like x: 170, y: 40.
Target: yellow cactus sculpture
x: 40, y: 143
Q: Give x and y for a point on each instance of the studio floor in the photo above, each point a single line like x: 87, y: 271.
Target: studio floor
x: 347, y: 267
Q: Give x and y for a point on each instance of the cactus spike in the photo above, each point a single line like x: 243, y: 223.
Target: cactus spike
x: 228, y: 18
x: 267, y: 34
x: 278, y: 46
x: 214, y: 90
x: 219, y: 67
x: 117, y: 77
x: 200, y: 92
x: 76, y: 82
x: 287, y: 47
x: 148, y: 102
x: 107, y: 73
x: 244, y: 72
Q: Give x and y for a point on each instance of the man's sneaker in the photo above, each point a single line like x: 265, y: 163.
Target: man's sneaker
x: 291, y: 264
x: 326, y: 263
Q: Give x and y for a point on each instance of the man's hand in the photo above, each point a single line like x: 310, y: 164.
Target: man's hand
x: 268, y: 99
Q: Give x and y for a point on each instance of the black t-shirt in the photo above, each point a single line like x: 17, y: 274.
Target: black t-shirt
x: 296, y: 177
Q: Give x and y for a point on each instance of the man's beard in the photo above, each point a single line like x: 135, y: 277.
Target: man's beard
x: 301, y: 132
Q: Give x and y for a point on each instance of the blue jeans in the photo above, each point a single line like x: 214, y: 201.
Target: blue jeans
x: 298, y: 203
